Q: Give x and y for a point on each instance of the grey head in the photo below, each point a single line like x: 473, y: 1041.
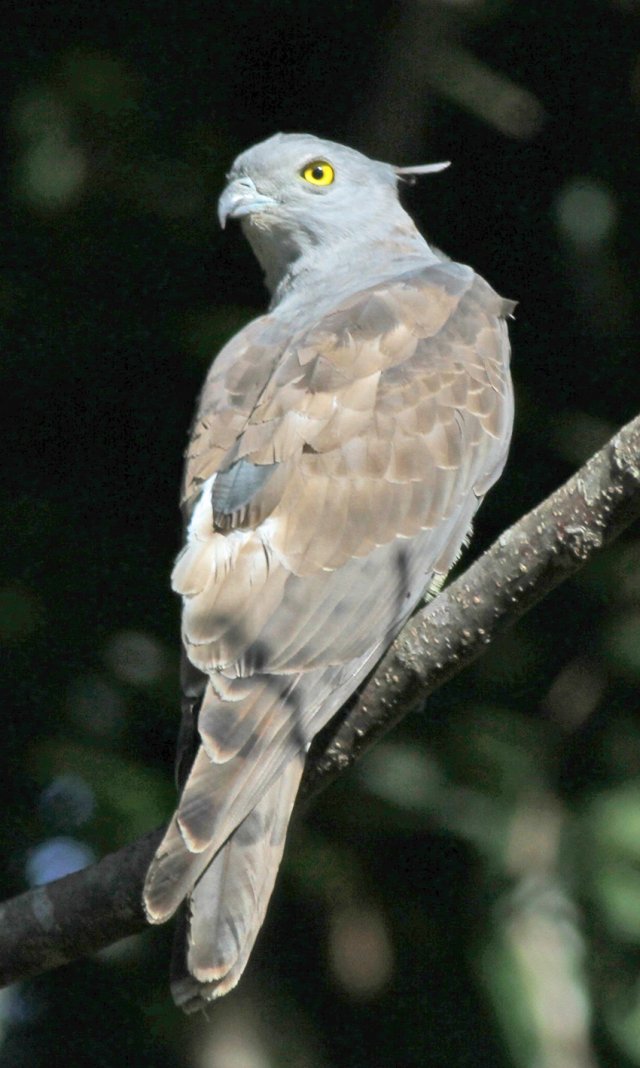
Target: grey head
x: 301, y: 199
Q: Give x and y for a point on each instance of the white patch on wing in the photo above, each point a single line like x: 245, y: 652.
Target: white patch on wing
x: 201, y: 522
x: 208, y: 556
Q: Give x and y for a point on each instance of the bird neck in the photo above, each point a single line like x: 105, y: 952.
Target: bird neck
x: 376, y: 240
x: 350, y: 262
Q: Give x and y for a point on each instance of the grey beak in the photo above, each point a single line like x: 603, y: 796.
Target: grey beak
x: 241, y: 198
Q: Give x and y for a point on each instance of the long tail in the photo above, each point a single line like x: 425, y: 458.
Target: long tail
x: 226, y: 909
x: 221, y: 851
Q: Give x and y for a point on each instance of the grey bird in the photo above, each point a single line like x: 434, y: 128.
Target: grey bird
x: 342, y: 443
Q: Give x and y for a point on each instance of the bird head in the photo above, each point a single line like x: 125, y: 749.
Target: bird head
x: 295, y: 193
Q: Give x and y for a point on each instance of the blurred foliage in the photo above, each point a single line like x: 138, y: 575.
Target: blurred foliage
x: 470, y: 895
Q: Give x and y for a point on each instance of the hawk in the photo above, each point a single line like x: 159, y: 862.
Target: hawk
x: 342, y: 443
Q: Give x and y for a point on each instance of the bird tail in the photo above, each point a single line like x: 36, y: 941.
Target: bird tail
x: 222, y: 848
x: 224, y: 912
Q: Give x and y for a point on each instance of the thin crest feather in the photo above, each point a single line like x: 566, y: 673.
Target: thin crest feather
x: 410, y: 174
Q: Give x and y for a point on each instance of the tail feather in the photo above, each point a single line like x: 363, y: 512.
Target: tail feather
x: 227, y: 906
x: 224, y: 844
x: 172, y: 874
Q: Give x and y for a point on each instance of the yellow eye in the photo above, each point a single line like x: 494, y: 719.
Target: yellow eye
x: 319, y: 172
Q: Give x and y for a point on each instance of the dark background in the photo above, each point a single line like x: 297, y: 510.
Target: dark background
x: 470, y: 895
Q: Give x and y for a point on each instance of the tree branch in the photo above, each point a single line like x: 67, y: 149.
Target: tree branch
x: 535, y: 555
x: 66, y: 919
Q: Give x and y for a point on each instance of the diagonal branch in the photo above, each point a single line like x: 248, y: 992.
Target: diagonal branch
x: 83, y: 912
x: 535, y: 555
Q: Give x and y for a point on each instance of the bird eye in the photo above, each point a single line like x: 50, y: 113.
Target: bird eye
x: 318, y: 173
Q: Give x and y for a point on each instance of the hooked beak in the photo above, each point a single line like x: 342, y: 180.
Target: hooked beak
x: 241, y: 198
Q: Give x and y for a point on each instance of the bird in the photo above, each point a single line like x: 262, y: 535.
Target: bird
x: 341, y: 446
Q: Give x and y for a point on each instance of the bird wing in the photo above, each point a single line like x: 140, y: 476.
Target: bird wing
x: 381, y: 421
x: 332, y: 475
